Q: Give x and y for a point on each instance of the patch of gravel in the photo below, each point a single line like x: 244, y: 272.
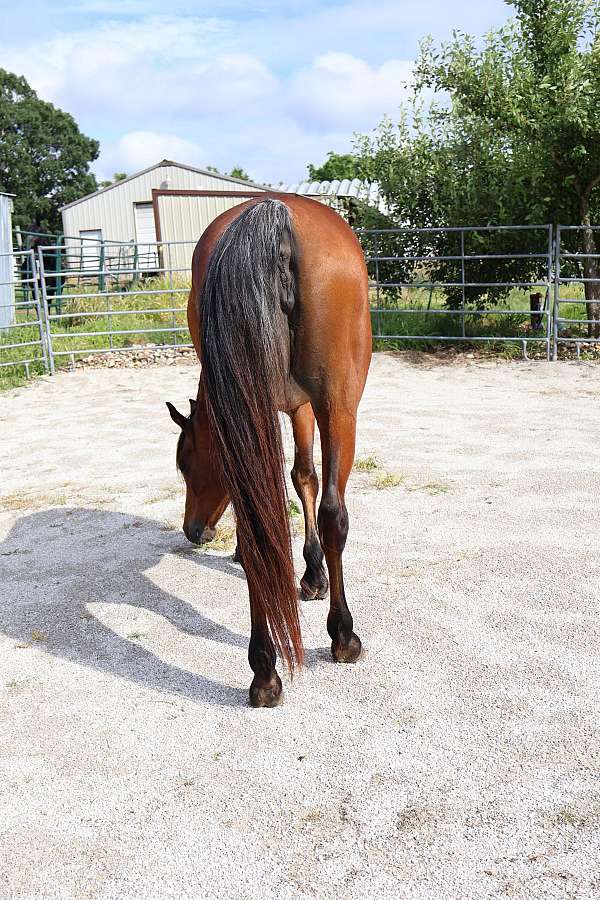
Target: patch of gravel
x: 459, y: 759
x: 139, y: 356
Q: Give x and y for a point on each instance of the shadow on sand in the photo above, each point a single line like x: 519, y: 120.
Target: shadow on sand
x: 56, y: 562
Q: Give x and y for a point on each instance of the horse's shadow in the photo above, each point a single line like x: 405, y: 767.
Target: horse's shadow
x: 50, y: 587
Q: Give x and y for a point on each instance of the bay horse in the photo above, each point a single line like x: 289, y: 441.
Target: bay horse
x: 279, y: 316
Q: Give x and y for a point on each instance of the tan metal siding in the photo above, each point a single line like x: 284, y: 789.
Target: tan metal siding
x: 112, y: 210
x: 185, y: 218
x: 6, y: 262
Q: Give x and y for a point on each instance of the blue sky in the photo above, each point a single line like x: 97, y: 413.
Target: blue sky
x: 268, y: 86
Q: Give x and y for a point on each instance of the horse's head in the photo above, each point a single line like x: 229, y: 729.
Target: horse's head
x: 206, y: 499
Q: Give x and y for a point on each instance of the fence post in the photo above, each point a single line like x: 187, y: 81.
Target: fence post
x: 377, y: 284
x: 555, y: 311
x: 462, y: 268
x: 548, y: 302
x: 46, y: 313
x: 58, y: 279
x: 38, y: 307
x: 101, y: 279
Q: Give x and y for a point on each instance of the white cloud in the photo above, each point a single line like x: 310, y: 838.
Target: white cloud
x: 140, y: 149
x: 346, y: 92
x: 266, y: 86
x: 158, y: 67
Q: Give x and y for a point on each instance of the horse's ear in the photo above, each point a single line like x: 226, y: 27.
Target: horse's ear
x: 193, y: 406
x: 177, y: 417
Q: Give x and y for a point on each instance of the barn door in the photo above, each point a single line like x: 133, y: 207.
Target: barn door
x: 90, y: 256
x: 146, y: 237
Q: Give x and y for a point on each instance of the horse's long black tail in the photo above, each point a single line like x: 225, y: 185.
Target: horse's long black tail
x: 244, y: 360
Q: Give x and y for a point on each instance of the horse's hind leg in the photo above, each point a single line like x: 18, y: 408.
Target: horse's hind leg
x: 338, y: 433
x: 314, y: 582
x: 266, y: 688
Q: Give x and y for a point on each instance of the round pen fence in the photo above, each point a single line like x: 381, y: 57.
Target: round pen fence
x: 576, y: 288
x: 519, y: 286
x: 124, y: 296
x: 23, y: 326
x: 461, y: 285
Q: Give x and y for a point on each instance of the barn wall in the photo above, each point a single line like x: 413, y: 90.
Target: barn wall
x: 185, y: 218
x: 112, y: 210
x: 7, y: 298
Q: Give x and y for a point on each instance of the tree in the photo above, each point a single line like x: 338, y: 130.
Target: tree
x: 516, y: 136
x: 238, y: 172
x: 118, y: 176
x: 44, y: 158
x: 336, y: 167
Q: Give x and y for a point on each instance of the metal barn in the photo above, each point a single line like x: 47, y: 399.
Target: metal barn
x: 162, y: 211
x: 123, y: 211
x: 182, y: 215
x: 7, y: 298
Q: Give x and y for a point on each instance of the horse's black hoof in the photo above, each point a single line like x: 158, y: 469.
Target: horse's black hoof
x: 310, y: 591
x: 347, y: 652
x: 266, y: 695
x: 307, y: 595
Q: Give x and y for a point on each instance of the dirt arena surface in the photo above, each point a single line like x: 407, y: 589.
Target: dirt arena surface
x: 459, y: 759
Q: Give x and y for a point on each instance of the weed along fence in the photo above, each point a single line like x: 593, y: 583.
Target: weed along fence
x: 520, y: 288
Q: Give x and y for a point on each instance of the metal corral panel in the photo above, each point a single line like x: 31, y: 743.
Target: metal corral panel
x: 185, y: 218
x: 7, y: 296
x: 112, y: 209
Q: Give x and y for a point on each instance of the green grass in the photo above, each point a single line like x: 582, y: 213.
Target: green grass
x: 424, y: 322
x: 366, y: 463
x: 293, y: 509
x: 388, y: 480
x: 82, y: 332
x: 123, y: 311
x: 17, y: 374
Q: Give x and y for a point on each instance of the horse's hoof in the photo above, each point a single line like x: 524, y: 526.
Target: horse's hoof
x: 350, y: 652
x: 305, y: 594
x: 268, y: 695
x: 308, y: 592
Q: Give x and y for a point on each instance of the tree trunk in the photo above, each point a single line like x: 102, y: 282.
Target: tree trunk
x: 591, y: 270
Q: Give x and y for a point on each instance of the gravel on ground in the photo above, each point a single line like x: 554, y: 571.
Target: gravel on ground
x: 459, y: 759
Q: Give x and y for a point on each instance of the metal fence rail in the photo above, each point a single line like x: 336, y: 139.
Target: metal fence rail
x: 576, y: 285
x: 99, y: 304
x: 459, y: 298
x: 23, y: 331
x: 461, y: 285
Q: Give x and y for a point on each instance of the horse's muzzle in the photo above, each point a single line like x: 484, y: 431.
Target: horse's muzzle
x: 199, y: 533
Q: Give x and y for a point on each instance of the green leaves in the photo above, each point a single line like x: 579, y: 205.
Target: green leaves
x: 337, y: 166
x: 44, y: 158
x: 514, y: 138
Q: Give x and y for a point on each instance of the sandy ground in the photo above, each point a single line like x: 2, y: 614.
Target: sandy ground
x: 459, y: 759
